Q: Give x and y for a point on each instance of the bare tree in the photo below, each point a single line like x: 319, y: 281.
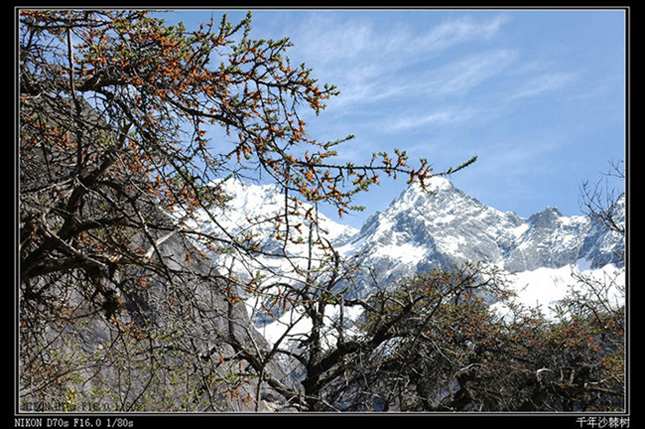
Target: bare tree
x: 601, y: 202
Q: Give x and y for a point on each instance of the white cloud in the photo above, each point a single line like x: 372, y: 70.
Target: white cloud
x: 331, y: 39
x: 460, y: 77
x: 447, y: 116
x: 419, y: 86
x: 398, y: 78
x: 369, y: 64
x: 452, y: 32
x: 550, y: 81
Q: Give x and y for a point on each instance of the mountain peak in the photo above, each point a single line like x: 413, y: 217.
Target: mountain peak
x: 433, y: 185
x: 552, y: 211
x: 438, y: 183
x: 435, y: 189
x: 546, y: 217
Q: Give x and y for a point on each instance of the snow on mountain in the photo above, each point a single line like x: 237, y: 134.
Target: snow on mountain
x: 441, y: 227
x: 444, y: 226
x: 260, y: 210
x: 421, y: 229
x: 258, y: 213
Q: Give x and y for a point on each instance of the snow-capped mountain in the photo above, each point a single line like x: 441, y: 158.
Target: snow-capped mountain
x: 421, y: 229
x: 445, y: 226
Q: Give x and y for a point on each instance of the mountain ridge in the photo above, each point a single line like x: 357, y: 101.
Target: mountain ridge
x: 443, y: 226
x: 446, y: 226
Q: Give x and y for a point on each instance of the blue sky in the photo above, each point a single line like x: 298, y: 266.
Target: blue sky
x: 537, y: 95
